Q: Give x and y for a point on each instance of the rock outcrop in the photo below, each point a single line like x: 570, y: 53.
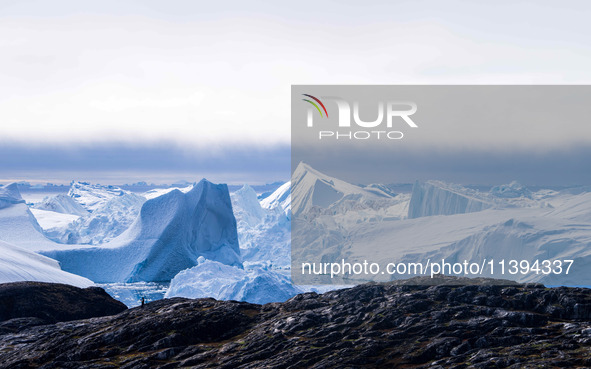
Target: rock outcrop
x: 517, y: 326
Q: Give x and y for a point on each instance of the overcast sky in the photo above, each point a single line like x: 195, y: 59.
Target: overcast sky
x: 181, y: 88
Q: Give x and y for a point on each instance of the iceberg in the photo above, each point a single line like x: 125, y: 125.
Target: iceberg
x: 226, y: 282
x: 169, y: 234
x: 280, y: 198
x: 18, y: 225
x: 106, y: 222
x: 311, y: 188
x: 17, y: 264
x: 264, y: 234
x: 93, y: 196
x: 511, y: 191
x: 20, y: 236
x: 61, y: 204
x: 439, y: 198
x: 247, y: 208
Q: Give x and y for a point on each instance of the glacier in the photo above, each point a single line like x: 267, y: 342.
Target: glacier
x: 169, y: 234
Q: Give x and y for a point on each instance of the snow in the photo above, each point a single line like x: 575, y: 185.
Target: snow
x: 168, y: 236
x: 50, y: 220
x: 17, y: 264
x: 225, y: 282
x: 61, y: 203
x: 161, y: 191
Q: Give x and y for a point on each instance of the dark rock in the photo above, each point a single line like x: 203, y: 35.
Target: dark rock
x: 53, y: 302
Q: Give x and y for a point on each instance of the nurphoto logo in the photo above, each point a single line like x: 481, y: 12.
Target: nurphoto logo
x: 391, y: 110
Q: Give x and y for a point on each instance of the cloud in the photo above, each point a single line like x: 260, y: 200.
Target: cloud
x: 212, y: 74
x: 117, y: 163
x: 558, y: 167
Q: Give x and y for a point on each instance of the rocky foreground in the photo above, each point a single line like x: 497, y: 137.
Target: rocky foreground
x: 363, y: 327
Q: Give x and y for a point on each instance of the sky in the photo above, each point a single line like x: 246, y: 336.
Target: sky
x: 117, y: 92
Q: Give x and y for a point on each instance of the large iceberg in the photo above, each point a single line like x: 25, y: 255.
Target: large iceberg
x: 168, y: 236
x: 225, y: 282
x: 439, y: 198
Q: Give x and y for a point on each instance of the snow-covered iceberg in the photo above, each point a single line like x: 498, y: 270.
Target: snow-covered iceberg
x: 225, y: 282
x: 169, y: 234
